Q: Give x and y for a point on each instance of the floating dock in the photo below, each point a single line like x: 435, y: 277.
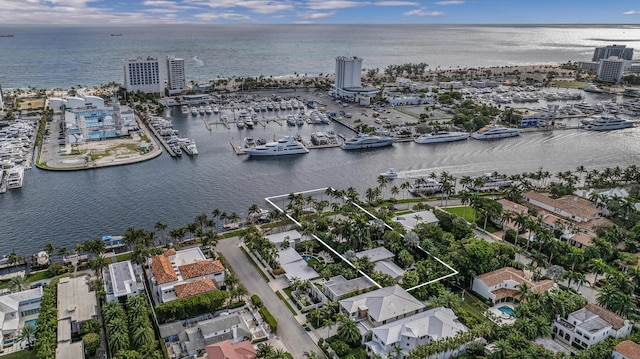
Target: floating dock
x: 236, y: 148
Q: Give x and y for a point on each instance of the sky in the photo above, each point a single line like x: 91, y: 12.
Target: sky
x: 135, y: 12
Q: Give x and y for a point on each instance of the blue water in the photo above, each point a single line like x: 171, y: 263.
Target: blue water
x: 33, y: 322
x: 306, y: 258
x: 507, y: 310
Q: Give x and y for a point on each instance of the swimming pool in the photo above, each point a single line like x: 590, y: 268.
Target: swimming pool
x: 31, y: 322
x: 507, y: 310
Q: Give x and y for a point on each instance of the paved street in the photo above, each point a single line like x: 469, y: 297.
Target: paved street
x: 290, y: 332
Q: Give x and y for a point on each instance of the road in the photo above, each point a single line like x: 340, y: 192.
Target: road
x: 291, y: 333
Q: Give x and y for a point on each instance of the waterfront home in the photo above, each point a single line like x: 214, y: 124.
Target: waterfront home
x: 194, y: 335
x: 572, y: 208
x: 338, y: 287
x: 291, y: 238
x: 120, y: 282
x: 590, y: 325
x: 501, y: 285
x: 229, y: 350
x: 412, y: 220
x: 77, y: 304
x: 626, y: 350
x: 381, y: 306
x: 16, y: 309
x: 410, y: 332
x: 183, y: 273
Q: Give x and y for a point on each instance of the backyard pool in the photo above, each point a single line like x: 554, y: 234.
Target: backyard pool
x: 507, y: 310
x: 31, y: 322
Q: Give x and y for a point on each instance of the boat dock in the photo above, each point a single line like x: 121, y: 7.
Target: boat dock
x: 206, y: 124
x: 345, y: 124
x: 159, y: 138
x: 314, y: 147
x: 237, y: 148
x: 3, y: 182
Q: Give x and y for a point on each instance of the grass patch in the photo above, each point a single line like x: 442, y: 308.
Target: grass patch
x: 255, y: 265
x: 123, y: 257
x: 37, y: 276
x: 23, y: 354
x: 286, y: 302
x: 460, y: 212
x: 475, y: 307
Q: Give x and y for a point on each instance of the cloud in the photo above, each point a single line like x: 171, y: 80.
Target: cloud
x: 632, y: 12
x: 212, y: 16
x: 316, y: 15
x: 450, y: 2
x: 423, y: 12
x: 256, y: 6
x: 396, y: 3
x: 334, y: 4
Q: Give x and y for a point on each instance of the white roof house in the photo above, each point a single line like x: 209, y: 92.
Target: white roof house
x: 410, y: 332
x: 120, y: 281
x: 15, y: 308
x: 382, y: 306
x: 383, y: 259
x: 590, y: 325
x: 337, y: 287
x: 409, y: 221
x: 278, y: 239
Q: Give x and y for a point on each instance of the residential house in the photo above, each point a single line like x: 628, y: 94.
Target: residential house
x: 291, y: 238
x: 338, y: 287
x: 501, y: 285
x: 179, y: 274
x: 15, y: 310
x: 382, y: 306
x: 571, y: 207
x: 412, y: 220
x: 383, y: 260
x: 410, y: 332
x: 590, y: 325
x: 77, y: 305
x: 120, y: 281
x: 195, y: 335
x: 626, y: 350
x: 228, y: 350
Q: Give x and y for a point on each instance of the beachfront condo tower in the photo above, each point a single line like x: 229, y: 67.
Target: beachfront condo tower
x: 610, y: 70
x: 143, y: 74
x: 348, y: 70
x: 620, y: 51
x: 175, y: 75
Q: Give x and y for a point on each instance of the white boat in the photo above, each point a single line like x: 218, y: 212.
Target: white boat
x: 249, y: 142
x: 592, y: 88
x: 390, y: 174
x: 208, y: 110
x: 608, y: 123
x: 363, y: 140
x: 15, y: 177
x: 442, y: 136
x: 185, y: 109
x: 284, y: 146
x: 493, y: 132
x: 201, y: 110
x: 192, y: 147
x: 425, y: 185
x: 489, y: 182
x: 194, y: 111
x: 240, y: 123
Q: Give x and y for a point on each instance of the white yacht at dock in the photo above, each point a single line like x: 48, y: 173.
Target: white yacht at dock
x: 15, y: 177
x: 442, y: 136
x: 362, y: 141
x: 607, y: 123
x: 284, y: 146
x: 493, y: 132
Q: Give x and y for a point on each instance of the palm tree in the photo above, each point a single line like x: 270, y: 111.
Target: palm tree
x: 329, y: 323
x: 18, y: 283
x: 311, y: 355
x: 98, y: 264
x: 598, y: 266
x: 348, y: 331
x: 265, y: 350
x: 161, y: 227
x: 27, y: 334
x: 142, y: 335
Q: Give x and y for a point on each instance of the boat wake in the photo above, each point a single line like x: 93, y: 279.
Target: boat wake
x: 198, y: 61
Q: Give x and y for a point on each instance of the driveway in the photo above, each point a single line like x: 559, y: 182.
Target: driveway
x: 290, y: 332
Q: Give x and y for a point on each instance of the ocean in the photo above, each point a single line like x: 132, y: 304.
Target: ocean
x: 69, y: 207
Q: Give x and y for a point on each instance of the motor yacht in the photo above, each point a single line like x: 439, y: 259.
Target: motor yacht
x: 608, y: 123
x: 442, y: 136
x: 494, y: 132
x: 284, y: 146
x: 362, y: 141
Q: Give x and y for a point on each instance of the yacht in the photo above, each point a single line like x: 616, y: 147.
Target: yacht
x: 442, y: 136
x: 208, y: 110
x: 284, y: 146
x: 389, y: 174
x: 192, y: 147
x: 494, y: 132
x: 194, y: 111
x: 185, y: 109
x: 248, y: 122
x: 240, y: 124
x: 608, y: 123
x: 15, y: 177
x: 291, y: 121
x: 593, y: 89
x: 363, y: 140
x: 249, y: 142
x: 425, y: 185
x: 488, y: 182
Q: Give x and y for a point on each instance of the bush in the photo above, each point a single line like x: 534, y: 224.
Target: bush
x: 268, y: 317
x: 257, y: 302
x: 92, y: 326
x: 184, y: 308
x: 91, y: 343
x: 341, y: 348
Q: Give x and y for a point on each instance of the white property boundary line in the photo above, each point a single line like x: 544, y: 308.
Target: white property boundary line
x: 453, y: 271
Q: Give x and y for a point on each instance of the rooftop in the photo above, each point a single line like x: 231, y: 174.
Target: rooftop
x: 200, y: 268
x: 629, y: 349
x: 383, y: 304
x: 194, y: 287
x: 75, y: 301
x: 437, y: 323
x: 511, y: 274
x: 227, y: 350
x: 340, y: 286
x: 570, y: 204
x: 376, y: 254
x: 163, y: 270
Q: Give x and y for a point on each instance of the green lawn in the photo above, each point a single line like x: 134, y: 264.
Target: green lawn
x: 23, y: 354
x: 123, y: 257
x: 461, y: 212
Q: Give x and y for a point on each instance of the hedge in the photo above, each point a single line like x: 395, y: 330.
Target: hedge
x: 266, y: 315
x: 184, y: 308
x: 47, y: 325
x: 257, y: 302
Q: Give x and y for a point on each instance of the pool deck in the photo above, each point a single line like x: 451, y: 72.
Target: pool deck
x: 499, y: 317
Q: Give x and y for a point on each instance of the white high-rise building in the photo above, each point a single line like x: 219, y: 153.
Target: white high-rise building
x: 610, y: 70
x: 143, y: 74
x: 348, y: 70
x: 175, y: 75
x: 619, y: 51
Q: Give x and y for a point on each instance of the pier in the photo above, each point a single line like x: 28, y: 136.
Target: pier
x: 236, y: 148
x: 206, y: 124
x: 3, y: 182
x: 159, y: 138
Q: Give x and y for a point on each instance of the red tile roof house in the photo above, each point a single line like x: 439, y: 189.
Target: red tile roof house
x: 179, y: 274
x: 501, y: 285
x: 227, y: 350
x: 626, y: 350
